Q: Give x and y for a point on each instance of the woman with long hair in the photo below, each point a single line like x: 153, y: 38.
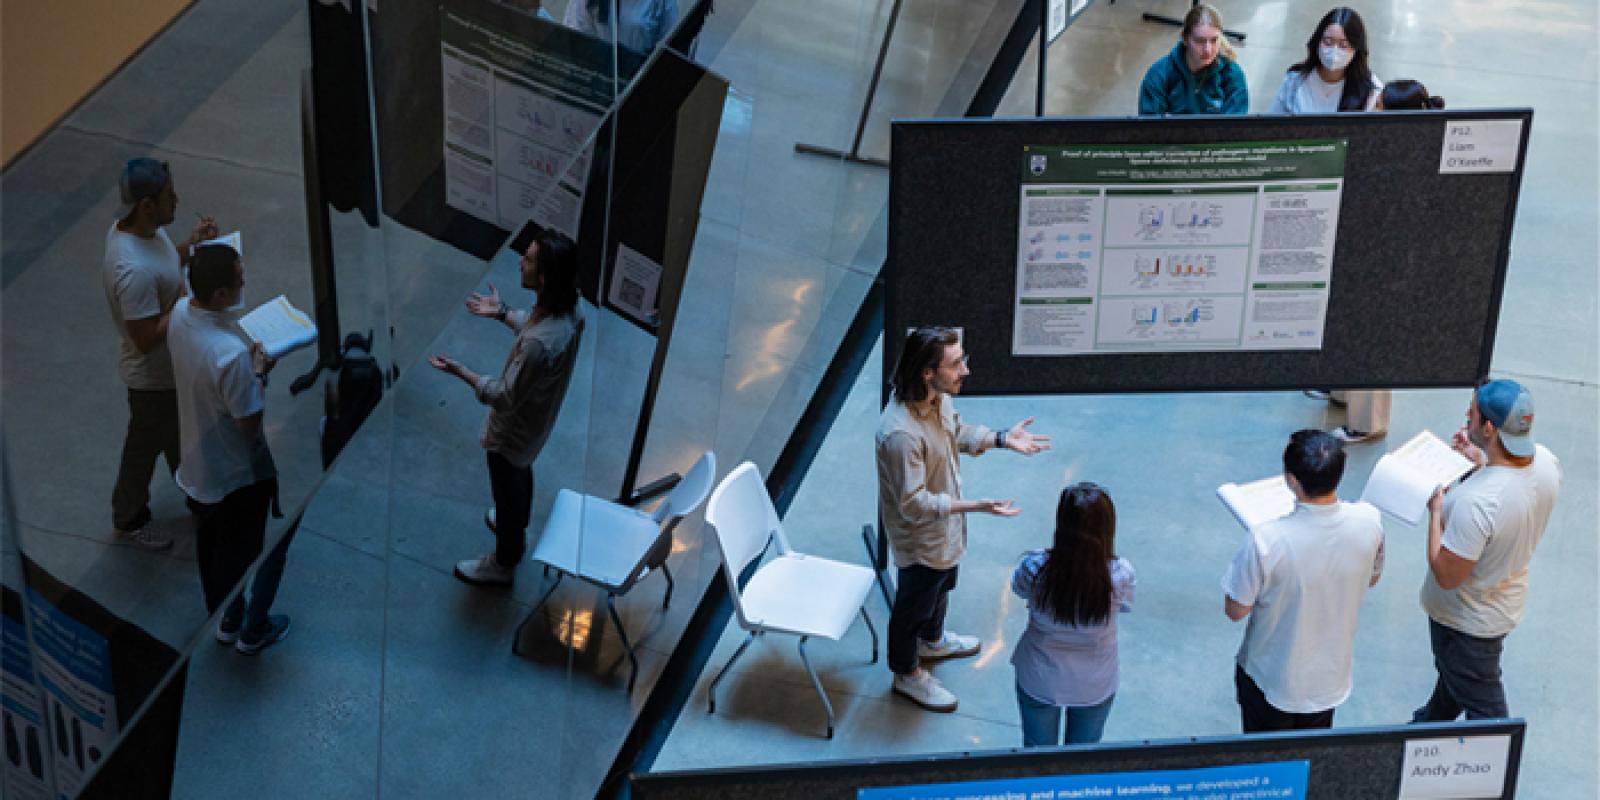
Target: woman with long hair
x: 1066, y: 660
x: 1335, y: 75
x: 1200, y: 75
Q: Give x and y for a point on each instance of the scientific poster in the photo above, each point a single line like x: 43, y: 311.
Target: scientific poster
x: 1165, y: 248
x: 513, y: 117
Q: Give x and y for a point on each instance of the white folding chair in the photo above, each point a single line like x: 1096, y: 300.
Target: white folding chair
x: 794, y: 593
x: 614, y: 546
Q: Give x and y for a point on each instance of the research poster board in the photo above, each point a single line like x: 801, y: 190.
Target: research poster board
x: 1176, y: 247
x: 517, y: 125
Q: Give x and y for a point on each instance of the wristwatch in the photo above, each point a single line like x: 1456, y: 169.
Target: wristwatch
x: 999, y: 438
x: 500, y: 313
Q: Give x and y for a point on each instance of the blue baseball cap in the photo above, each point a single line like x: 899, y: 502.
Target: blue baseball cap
x: 141, y: 178
x: 1508, y: 405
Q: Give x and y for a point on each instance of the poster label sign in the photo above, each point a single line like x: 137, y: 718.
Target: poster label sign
x: 1480, y: 145
x: 1455, y: 767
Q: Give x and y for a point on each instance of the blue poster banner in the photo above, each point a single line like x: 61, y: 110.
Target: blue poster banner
x: 1277, y: 780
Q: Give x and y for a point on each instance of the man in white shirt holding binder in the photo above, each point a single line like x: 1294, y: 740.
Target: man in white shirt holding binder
x: 1300, y: 579
x: 1481, y: 536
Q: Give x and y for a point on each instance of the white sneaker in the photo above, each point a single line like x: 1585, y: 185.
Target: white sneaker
x: 1344, y: 434
x: 145, y: 538
x: 952, y: 645
x: 925, y: 690
x: 485, y: 571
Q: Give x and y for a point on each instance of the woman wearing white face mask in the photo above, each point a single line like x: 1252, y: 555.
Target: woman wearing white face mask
x: 1334, y: 76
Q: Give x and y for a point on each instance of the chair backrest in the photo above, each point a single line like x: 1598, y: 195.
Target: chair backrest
x: 690, y: 492
x: 741, y: 513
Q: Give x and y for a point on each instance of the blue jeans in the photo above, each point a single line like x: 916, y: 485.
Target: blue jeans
x: 1041, y: 722
x: 1469, y: 677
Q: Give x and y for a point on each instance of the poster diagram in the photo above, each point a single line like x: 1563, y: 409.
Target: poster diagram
x: 1164, y: 248
x: 514, y: 117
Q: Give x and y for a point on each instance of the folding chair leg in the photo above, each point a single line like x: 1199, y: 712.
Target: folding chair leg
x: 725, y: 667
x: 623, y: 635
x: 516, y: 638
x: 871, y: 630
x: 826, y: 706
x: 667, y: 602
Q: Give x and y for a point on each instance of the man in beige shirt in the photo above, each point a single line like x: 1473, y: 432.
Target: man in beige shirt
x: 919, y: 501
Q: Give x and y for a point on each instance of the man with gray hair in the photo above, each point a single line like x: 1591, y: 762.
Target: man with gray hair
x: 1481, y: 536
x: 142, y: 279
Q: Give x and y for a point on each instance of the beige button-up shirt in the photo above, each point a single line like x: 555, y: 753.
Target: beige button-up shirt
x: 919, y: 477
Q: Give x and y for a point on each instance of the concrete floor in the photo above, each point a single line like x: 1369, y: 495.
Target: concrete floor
x: 398, y: 681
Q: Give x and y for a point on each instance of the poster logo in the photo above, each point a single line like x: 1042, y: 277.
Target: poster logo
x: 1036, y: 165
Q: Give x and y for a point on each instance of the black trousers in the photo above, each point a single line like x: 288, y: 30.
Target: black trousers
x: 512, y: 487
x: 921, y: 597
x: 229, y: 538
x: 1257, y: 715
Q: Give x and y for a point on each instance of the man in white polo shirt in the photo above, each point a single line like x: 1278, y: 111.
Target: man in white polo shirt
x: 1481, y: 536
x: 1300, y: 580
x: 226, y: 467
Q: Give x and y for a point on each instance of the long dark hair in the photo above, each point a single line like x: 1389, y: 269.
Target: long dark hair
x: 1074, y: 586
x: 1357, y: 76
x: 558, y: 265
x: 923, y: 350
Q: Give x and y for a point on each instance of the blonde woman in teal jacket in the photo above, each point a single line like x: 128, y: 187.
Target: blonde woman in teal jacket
x: 1200, y: 75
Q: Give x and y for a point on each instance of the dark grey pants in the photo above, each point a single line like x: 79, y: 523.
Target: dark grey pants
x: 1469, y: 677
x: 152, y: 433
x: 921, y: 597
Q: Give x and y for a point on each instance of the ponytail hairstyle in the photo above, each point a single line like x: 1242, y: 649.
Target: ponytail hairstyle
x: 1404, y: 95
x: 1074, y: 585
x: 1358, y: 75
x: 1207, y: 14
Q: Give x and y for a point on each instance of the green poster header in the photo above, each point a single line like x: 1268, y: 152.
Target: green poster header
x: 1056, y: 301
x: 1307, y: 159
x: 481, y: 42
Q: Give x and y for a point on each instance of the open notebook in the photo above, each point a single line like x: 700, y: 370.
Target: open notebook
x: 1257, y: 502
x: 278, y: 327
x: 1403, y: 480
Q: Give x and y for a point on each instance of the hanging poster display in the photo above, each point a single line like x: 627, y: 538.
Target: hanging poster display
x: 1166, y: 248
x: 517, y: 125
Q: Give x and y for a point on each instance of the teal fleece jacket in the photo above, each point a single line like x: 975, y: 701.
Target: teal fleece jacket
x: 1170, y: 88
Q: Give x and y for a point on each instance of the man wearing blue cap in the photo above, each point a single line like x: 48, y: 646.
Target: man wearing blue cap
x: 142, y: 280
x: 1481, y: 536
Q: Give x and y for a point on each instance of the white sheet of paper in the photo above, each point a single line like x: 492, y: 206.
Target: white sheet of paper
x: 1454, y: 767
x: 234, y: 240
x: 1403, y: 480
x: 635, y: 283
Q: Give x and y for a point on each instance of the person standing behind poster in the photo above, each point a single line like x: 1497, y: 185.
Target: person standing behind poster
x: 918, y: 442
x: 643, y: 23
x: 1200, y: 75
x: 525, y: 398
x: 142, y: 280
x: 1335, y: 75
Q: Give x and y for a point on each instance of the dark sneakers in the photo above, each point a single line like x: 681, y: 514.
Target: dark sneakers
x: 254, y: 641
